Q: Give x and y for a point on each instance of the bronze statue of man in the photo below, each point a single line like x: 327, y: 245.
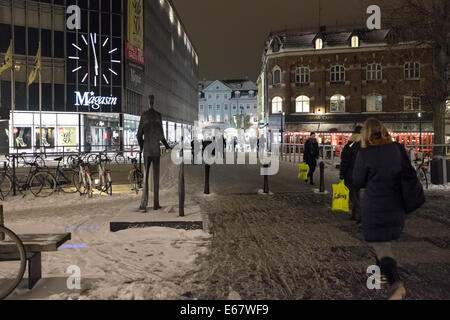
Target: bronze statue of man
x: 149, y: 136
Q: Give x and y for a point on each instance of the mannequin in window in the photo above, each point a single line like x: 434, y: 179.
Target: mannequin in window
x: 150, y: 135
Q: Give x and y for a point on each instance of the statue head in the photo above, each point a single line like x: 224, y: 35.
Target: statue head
x: 151, y: 101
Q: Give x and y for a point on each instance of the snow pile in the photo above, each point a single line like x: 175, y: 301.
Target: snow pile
x: 442, y: 187
x: 150, y: 263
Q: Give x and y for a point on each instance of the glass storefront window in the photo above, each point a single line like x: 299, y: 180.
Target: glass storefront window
x: 131, y: 126
x: 171, y: 133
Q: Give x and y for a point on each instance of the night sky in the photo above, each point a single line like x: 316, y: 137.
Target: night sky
x: 229, y: 34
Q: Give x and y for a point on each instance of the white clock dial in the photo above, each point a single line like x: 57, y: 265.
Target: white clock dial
x: 91, y: 46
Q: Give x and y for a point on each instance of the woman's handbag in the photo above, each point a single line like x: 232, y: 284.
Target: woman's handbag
x: 412, y: 189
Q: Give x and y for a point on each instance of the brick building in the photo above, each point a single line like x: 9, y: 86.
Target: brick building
x: 329, y: 81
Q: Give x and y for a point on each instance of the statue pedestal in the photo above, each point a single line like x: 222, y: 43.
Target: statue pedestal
x: 167, y: 217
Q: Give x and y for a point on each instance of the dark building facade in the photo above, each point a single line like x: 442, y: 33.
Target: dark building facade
x: 95, y: 76
x: 330, y: 81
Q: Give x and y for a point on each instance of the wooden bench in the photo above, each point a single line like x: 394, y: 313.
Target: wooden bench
x: 34, y: 245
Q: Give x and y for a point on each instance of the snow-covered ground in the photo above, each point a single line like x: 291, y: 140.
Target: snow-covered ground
x: 149, y: 263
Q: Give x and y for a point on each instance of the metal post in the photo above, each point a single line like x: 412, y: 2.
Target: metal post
x: 322, y: 177
x: 266, y: 181
x: 2, y: 223
x: 181, y: 186
x: 207, y: 173
x: 14, y: 175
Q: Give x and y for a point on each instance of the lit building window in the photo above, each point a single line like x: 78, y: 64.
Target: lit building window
x: 302, y: 75
x: 355, y: 42
x: 374, y: 103
x: 412, y: 70
x: 277, y: 105
x: 374, y: 72
x: 210, y: 118
x: 276, y: 76
x: 161, y: 2
x: 337, y: 103
x: 337, y: 74
x: 218, y: 118
x: 412, y: 103
x: 302, y: 104
x: 319, y: 43
x: 179, y: 29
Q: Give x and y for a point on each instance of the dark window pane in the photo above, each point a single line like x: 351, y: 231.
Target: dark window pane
x: 94, y: 21
x: 46, y: 47
x: 5, y: 106
x: 116, y: 6
x: 34, y: 96
x: 21, y: 94
x: 106, y: 5
x: 5, y: 39
x: 59, y: 97
x: 47, y: 97
x: 33, y: 41
x: 116, y: 25
x: 71, y: 99
x: 19, y: 41
x: 59, y: 44
x: 106, y: 24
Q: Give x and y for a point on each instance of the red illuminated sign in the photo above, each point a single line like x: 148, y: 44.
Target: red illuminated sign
x: 134, y: 54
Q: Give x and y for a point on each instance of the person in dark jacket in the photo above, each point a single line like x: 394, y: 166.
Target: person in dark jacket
x: 311, y: 155
x: 378, y: 169
x: 348, y: 159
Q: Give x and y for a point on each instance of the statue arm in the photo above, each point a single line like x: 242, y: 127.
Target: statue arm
x: 140, y: 134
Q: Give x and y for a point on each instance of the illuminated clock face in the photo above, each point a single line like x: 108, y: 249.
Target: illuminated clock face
x: 100, y: 73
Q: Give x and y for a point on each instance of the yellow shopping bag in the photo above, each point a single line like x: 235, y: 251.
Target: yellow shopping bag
x: 341, y: 197
x: 303, y: 171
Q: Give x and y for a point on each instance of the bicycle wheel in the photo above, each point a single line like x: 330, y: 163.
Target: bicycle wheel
x: 5, y: 185
x: 66, y: 181
x: 42, y: 184
x: 422, y: 175
x: 89, y: 187
x: 120, y: 159
x: 92, y: 159
x: 40, y: 161
x: 12, y: 264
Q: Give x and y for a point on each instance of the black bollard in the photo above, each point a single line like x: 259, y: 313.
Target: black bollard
x: 266, y: 181
x: 181, y: 187
x: 207, y: 172
x: 14, y: 176
x: 2, y: 221
x: 322, y: 177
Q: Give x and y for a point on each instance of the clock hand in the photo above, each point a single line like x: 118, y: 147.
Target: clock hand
x: 95, y: 55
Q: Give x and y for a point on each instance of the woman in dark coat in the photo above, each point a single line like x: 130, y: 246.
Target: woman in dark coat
x: 348, y: 159
x: 378, y: 169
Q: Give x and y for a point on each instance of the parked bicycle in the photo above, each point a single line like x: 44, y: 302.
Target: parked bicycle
x: 65, y: 178
x: 422, y: 168
x: 12, y: 264
x: 135, y: 177
x: 38, y: 181
x: 102, y: 178
x: 82, y: 180
x: 118, y: 158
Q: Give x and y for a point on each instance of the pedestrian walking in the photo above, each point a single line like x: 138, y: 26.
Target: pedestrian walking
x: 378, y: 170
x: 348, y: 159
x: 311, y: 155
